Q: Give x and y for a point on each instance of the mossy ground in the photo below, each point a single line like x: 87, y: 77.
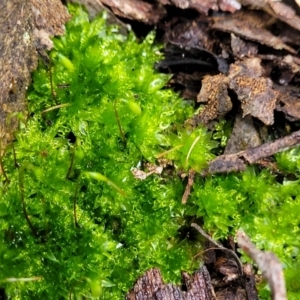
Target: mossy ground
x: 73, y: 214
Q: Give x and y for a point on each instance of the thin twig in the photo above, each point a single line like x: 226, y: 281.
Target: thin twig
x: 188, y: 187
x: 219, y: 246
x: 238, y: 161
x: 269, y: 265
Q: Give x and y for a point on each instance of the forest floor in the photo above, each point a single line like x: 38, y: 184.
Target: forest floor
x: 238, y: 62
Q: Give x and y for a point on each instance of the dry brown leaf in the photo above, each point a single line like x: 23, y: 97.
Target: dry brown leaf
x: 214, y: 93
x: 255, y: 93
x: 204, y: 6
x: 241, y: 48
x: 257, y: 97
x: 149, y: 13
x: 289, y: 105
x: 250, y: 25
x: 244, y: 135
x: 185, y: 32
x: 277, y: 9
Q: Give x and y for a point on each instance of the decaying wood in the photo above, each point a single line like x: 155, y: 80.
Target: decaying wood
x: 25, y: 26
x: 269, y: 265
x: 231, y: 281
x: 150, y: 286
x: 238, y: 162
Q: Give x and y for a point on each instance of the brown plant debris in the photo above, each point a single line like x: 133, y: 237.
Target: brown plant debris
x: 230, y: 279
x: 238, y: 162
x: 185, y: 32
x: 203, y: 6
x: 255, y: 93
x: 241, y: 48
x: 251, y: 26
x: 222, y: 278
x: 214, y: 92
x: 238, y: 264
x: 277, y: 9
x: 269, y: 265
x: 147, y: 12
x: 188, y: 187
x: 288, y: 103
x: 152, y: 12
x: 257, y: 97
x: 25, y: 25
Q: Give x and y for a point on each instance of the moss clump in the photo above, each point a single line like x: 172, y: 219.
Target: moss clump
x: 71, y: 210
x: 91, y: 227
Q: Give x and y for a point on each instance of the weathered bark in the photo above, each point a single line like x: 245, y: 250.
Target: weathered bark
x: 151, y: 286
x: 25, y: 26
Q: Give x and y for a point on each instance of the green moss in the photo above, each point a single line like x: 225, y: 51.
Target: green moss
x: 256, y: 203
x: 79, y: 147
x: 92, y: 228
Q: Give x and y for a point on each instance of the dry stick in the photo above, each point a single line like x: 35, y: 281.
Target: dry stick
x: 238, y: 161
x: 188, y: 187
x: 21, y: 187
x: 268, y: 263
x: 219, y: 246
